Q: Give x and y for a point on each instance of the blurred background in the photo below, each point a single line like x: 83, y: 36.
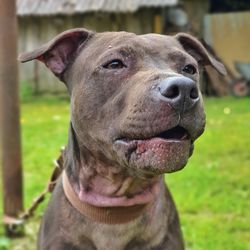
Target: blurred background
x: 213, y: 193
x: 223, y: 25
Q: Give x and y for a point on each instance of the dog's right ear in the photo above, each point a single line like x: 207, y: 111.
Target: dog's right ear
x: 198, y: 51
x: 59, y: 52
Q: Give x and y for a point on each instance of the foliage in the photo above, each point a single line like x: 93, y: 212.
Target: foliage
x: 211, y: 193
x: 4, y: 243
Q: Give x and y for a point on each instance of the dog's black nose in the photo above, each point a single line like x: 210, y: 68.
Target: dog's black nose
x: 181, y: 92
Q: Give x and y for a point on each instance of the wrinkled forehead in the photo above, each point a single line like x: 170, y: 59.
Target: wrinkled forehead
x: 149, y: 43
x: 159, y: 41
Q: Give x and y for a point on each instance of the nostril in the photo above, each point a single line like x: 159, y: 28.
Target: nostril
x: 194, y: 93
x: 172, y: 92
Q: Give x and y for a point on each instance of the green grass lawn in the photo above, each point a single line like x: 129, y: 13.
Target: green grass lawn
x: 212, y: 193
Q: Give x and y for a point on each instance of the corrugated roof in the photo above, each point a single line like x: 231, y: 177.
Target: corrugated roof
x: 54, y: 7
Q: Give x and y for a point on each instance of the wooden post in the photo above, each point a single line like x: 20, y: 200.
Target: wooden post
x: 157, y: 24
x: 9, y: 105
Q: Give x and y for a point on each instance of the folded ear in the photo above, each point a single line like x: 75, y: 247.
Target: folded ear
x: 60, y: 51
x: 198, y: 51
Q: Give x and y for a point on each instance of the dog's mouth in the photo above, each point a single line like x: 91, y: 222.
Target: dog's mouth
x: 167, y: 151
x: 176, y: 133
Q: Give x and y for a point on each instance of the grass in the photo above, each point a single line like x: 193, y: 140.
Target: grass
x: 212, y: 192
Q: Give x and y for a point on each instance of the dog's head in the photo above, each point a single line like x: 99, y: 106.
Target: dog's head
x: 135, y: 99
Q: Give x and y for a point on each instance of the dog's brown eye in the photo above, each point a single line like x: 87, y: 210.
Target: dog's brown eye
x: 114, y: 64
x: 190, y: 69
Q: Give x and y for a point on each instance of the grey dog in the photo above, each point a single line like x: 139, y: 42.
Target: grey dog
x: 136, y: 110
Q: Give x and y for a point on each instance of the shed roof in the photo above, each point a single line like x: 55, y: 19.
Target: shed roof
x: 68, y: 7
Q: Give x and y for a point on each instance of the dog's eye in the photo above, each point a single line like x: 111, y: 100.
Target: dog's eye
x: 189, y: 69
x: 114, y: 64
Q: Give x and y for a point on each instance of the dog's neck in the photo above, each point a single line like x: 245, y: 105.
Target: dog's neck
x: 109, y: 186
x: 112, y: 198
x: 108, y: 215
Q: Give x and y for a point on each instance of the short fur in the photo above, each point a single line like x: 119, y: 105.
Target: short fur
x: 118, y: 111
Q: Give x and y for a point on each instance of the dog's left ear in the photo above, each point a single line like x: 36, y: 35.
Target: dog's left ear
x: 59, y: 53
x: 198, y: 51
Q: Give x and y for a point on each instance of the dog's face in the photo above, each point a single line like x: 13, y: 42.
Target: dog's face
x: 135, y: 100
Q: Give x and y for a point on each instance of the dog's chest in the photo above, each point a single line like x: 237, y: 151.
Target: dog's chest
x: 115, y: 237
x: 146, y: 232
x: 134, y: 235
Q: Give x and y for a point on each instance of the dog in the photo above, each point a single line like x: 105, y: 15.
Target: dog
x: 136, y: 110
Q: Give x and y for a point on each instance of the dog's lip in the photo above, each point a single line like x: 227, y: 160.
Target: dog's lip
x: 177, y: 133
